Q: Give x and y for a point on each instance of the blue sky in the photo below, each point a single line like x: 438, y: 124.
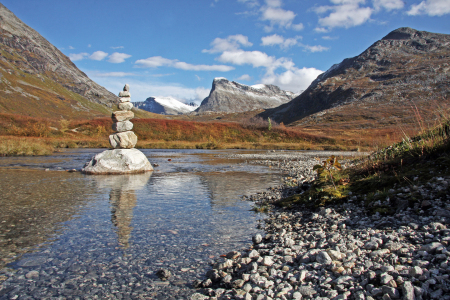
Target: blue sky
x: 177, y: 47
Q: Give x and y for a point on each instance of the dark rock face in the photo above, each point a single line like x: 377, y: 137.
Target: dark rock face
x: 25, y: 52
x: 405, y: 66
x: 226, y: 96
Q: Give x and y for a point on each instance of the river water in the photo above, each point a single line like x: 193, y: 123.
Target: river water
x: 73, y: 236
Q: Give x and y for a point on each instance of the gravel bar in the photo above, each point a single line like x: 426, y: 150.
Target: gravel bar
x: 342, y: 251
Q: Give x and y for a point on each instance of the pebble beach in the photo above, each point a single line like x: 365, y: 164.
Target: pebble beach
x: 339, y: 251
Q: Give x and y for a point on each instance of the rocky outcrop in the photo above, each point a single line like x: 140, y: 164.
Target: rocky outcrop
x: 229, y: 96
x: 30, y: 64
x: 165, y: 106
x: 405, y: 66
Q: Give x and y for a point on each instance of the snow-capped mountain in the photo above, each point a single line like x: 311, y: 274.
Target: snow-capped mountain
x: 165, y: 106
x: 230, y: 96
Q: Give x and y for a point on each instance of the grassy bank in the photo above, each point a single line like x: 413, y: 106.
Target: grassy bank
x: 407, y: 163
x: 44, y: 133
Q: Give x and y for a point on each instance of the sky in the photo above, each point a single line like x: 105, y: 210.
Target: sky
x: 175, y: 48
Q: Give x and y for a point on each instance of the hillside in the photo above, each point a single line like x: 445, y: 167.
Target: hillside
x: 231, y: 97
x: 398, y: 80
x: 36, y: 79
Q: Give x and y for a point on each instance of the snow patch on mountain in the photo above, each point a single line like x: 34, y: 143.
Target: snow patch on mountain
x: 165, y: 106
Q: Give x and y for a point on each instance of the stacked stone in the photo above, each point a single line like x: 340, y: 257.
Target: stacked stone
x: 124, y: 138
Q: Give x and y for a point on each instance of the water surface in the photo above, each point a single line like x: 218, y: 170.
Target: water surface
x: 84, y: 236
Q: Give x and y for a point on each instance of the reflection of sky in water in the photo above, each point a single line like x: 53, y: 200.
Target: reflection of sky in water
x: 167, y: 218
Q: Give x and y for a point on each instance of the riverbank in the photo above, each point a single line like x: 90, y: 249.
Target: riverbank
x: 353, y: 248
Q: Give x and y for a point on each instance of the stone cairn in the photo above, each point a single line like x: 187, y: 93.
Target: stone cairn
x: 124, y: 138
x: 123, y: 158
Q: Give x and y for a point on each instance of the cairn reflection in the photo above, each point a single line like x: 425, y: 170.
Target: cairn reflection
x: 123, y: 199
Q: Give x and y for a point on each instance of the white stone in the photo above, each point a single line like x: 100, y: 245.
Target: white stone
x: 121, y: 116
x: 118, y: 161
x: 124, y: 99
x: 126, y: 106
x: 122, y: 126
x: 123, y: 140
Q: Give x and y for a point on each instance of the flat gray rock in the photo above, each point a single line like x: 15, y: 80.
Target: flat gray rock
x: 123, y: 140
x: 118, y: 161
x: 122, y: 126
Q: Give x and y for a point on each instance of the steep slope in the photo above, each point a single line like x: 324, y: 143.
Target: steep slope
x: 380, y: 87
x: 226, y: 96
x: 37, y: 79
x: 165, y: 106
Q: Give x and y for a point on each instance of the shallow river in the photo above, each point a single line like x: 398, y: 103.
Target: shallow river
x: 73, y: 236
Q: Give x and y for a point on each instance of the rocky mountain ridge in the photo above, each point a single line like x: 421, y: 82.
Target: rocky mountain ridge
x: 35, y: 72
x: 230, y: 96
x: 378, y: 87
x: 165, y: 106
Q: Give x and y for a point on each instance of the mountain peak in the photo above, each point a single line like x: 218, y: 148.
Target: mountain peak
x: 231, y: 96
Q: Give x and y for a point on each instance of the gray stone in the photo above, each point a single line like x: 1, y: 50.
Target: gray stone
x: 121, y: 116
x: 125, y: 106
x: 32, y: 274
x: 126, y: 87
x: 122, y: 126
x: 267, y: 261
x: 124, y: 94
x: 408, y: 291
x: 257, y: 239
x: 430, y: 248
x: 323, y: 258
x: 118, y: 161
x: 307, y: 291
x: 123, y: 140
x: 163, y: 274
x: 124, y: 99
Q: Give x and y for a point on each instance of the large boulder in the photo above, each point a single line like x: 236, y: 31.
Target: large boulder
x: 118, y: 161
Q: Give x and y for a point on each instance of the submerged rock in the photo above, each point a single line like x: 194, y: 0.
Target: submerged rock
x: 118, y: 161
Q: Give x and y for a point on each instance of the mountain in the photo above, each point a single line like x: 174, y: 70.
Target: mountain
x: 398, y: 77
x: 36, y: 79
x: 165, y: 106
x: 226, y: 96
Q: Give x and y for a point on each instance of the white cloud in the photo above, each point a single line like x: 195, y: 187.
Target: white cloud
x: 277, y: 16
x: 112, y: 74
x: 232, y: 42
x: 71, y: 48
x: 89, y: 46
x: 98, y: 55
x: 316, y: 48
x: 294, y: 80
x: 346, y: 13
x: 245, y: 77
x: 430, y: 7
x: 118, y: 47
x: 118, y: 58
x: 198, y: 78
x: 276, y: 39
x: 241, y: 57
x: 388, y: 4
x: 78, y: 56
x: 321, y: 30
x: 250, y: 3
x: 201, y: 93
x: 158, y: 61
x: 330, y: 38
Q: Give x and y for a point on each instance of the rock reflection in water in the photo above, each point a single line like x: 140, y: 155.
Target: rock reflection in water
x: 123, y: 199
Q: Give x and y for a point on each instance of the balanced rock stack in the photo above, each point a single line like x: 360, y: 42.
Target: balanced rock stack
x: 123, y: 158
x: 124, y: 138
